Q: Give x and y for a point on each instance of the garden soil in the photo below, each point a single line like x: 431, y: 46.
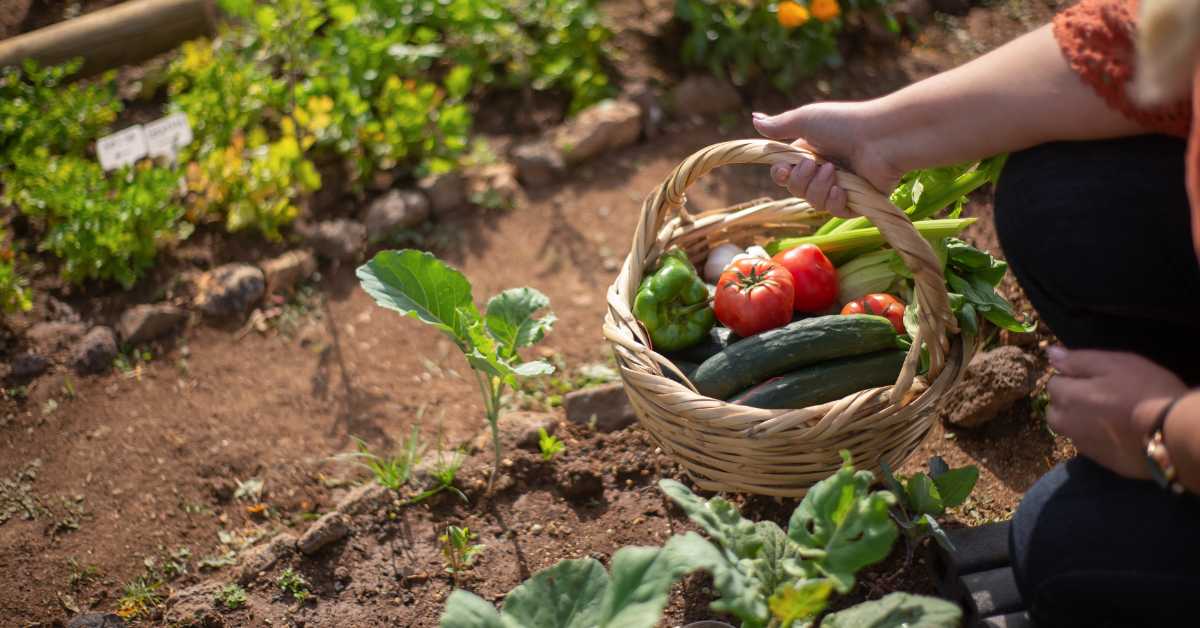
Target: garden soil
x: 230, y: 434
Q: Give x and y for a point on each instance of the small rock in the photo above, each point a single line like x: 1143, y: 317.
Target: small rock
x: 495, y: 186
x: 608, y: 404
x: 95, y: 352
x: 96, y: 620
x: 341, y: 239
x: 447, y: 192
x: 703, y: 94
x: 28, y: 365
x: 994, y: 381
x: 328, y: 529
x: 602, y: 127
x: 396, y: 210
x: 142, y: 323
x: 538, y: 163
x: 55, y: 336
x: 262, y: 557
x: 229, y: 290
x: 517, y: 429
x: 365, y: 498
x: 579, y: 482
x: 284, y: 272
x: 194, y: 606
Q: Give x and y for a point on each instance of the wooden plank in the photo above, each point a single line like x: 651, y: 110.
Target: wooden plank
x: 126, y: 33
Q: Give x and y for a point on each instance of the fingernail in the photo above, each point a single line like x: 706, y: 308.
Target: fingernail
x: 757, y: 115
x: 1056, y: 354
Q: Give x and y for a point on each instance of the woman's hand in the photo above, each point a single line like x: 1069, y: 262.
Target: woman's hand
x: 1106, y: 403
x: 840, y: 132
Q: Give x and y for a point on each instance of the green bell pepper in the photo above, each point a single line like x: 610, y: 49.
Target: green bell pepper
x: 673, y: 304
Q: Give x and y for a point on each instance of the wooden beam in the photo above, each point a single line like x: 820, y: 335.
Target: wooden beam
x: 126, y: 33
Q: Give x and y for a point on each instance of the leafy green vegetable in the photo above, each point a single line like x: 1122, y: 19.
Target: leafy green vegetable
x: 897, y: 610
x: 921, y: 497
x: 579, y: 594
x: 419, y: 285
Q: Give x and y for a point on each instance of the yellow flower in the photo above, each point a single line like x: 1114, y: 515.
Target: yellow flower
x: 825, y: 10
x: 792, y: 14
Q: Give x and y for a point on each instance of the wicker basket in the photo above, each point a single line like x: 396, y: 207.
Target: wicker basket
x: 728, y: 447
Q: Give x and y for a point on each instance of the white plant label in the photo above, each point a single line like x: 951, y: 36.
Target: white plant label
x: 167, y: 135
x: 122, y: 148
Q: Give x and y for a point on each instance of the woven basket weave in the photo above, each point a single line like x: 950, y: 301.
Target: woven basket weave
x: 728, y: 447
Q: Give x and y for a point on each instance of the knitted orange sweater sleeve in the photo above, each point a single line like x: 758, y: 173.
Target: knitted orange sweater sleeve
x: 1097, y: 38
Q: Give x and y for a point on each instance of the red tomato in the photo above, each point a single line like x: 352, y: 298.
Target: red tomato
x: 754, y: 295
x: 879, y: 304
x: 814, y: 278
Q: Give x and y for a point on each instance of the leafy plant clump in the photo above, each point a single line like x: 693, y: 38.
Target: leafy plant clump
x: 780, y: 41
x: 231, y: 596
x: 292, y: 583
x: 921, y: 498
x: 459, y: 549
x: 766, y: 577
x: 395, y: 472
x: 419, y: 285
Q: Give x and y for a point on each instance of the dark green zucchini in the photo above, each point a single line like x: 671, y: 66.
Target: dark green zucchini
x: 827, y: 381
x: 718, y: 338
x: 808, y: 341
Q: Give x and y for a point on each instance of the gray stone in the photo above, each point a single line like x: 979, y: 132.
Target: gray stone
x: 702, y: 94
x: 538, y: 163
x: 284, y: 272
x: 395, y: 210
x: 258, y: 559
x: 96, y: 620
x: 994, y: 381
x: 142, y: 323
x: 607, y: 406
x: 95, y: 352
x: 229, y: 290
x: 328, y: 529
x: 600, y: 128
x: 54, y: 336
x: 341, y: 239
x: 28, y: 365
x: 447, y: 192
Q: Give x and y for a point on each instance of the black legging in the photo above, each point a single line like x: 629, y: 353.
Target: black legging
x: 1098, y: 235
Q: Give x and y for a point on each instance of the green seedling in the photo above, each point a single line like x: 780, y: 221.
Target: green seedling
x: 418, y: 285
x: 391, y: 471
x: 294, y: 584
x: 139, y: 598
x: 549, y: 444
x: 920, y: 498
x: 458, y: 551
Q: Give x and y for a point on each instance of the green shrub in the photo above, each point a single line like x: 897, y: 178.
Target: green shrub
x: 39, y: 109
x: 781, y: 42
x: 14, y: 289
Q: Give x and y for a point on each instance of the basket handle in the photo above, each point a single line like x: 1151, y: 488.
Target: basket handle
x: 935, y: 318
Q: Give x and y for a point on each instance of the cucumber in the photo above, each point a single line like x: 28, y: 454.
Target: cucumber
x: 827, y: 381
x: 718, y: 338
x: 804, y: 342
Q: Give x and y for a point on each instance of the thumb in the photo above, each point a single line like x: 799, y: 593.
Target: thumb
x: 788, y: 125
x: 1081, y: 363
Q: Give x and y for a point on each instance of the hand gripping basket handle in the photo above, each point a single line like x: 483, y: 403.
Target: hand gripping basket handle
x: 935, y: 318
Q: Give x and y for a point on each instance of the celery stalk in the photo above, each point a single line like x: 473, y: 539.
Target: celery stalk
x: 840, y: 247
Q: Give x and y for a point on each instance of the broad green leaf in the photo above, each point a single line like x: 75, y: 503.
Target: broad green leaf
x: 779, y: 560
x: 642, y: 578
x: 467, y: 610
x: 791, y: 603
x: 923, y: 495
x: 894, y: 485
x: 720, y: 519
x: 955, y: 485
x: 842, y: 518
x: 266, y: 18
x: 567, y: 595
x: 937, y: 532
x: 417, y: 284
x: 510, y: 319
x: 458, y: 82
x: 533, y: 368
x: 897, y: 610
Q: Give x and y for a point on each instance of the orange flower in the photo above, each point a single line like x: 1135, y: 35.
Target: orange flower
x: 825, y: 10
x: 792, y: 14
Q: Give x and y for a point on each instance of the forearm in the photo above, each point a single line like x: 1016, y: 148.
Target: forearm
x: 1015, y: 97
x: 1181, y: 434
